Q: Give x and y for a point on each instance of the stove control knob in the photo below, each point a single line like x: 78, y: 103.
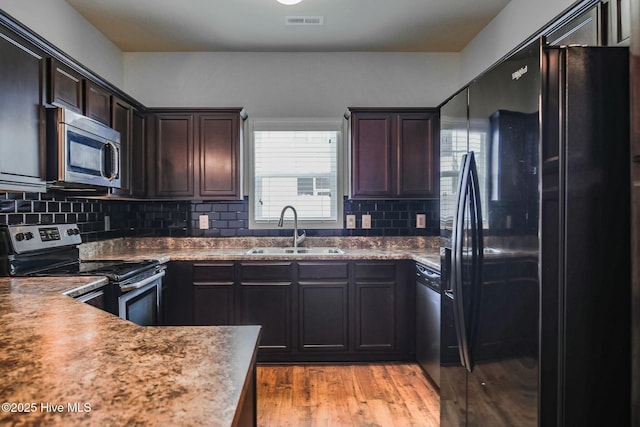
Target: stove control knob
x: 28, y: 235
x: 20, y: 237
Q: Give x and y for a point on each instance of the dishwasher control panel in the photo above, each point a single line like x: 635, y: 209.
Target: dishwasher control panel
x: 428, y: 276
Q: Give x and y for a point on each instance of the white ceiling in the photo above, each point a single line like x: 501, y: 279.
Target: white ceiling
x: 259, y: 25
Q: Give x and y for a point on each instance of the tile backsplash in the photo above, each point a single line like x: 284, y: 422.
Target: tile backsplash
x: 47, y: 208
x: 181, y: 218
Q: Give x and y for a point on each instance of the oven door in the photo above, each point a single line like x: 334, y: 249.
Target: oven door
x: 140, y: 302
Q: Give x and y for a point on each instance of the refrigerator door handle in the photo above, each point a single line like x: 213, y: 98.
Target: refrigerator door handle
x: 457, y: 240
x: 466, y: 304
x: 477, y: 253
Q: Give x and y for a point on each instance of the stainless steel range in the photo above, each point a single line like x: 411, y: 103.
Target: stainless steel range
x: 135, y: 287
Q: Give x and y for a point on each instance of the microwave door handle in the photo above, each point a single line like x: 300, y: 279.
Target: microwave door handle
x: 116, y: 164
x: 103, y: 163
x: 113, y: 173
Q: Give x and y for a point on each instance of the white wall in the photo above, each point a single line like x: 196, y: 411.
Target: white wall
x: 519, y: 20
x: 285, y: 84
x: 291, y: 84
x: 66, y: 29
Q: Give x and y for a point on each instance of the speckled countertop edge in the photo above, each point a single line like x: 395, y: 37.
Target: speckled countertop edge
x: 420, y: 249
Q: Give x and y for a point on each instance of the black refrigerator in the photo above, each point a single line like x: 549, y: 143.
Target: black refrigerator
x: 535, y: 248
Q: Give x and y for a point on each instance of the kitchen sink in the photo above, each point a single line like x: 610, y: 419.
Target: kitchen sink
x: 295, y: 251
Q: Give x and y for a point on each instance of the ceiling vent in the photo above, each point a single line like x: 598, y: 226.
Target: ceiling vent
x: 305, y: 20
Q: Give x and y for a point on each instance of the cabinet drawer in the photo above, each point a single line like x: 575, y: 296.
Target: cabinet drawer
x: 218, y: 272
x: 266, y: 272
x: 375, y: 271
x: 323, y: 270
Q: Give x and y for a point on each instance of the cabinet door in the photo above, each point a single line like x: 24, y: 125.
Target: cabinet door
x: 21, y: 117
x: 417, y: 158
x: 130, y: 123
x: 65, y: 87
x: 322, y: 306
x: 375, y: 306
x: 97, y: 103
x: 620, y: 22
x: 220, y: 156
x: 137, y: 155
x: 265, y: 298
x: 213, y: 304
x: 213, y: 294
x: 177, y: 294
x: 174, y: 155
x: 122, y: 123
x: 268, y: 305
x: 372, y: 155
x: 584, y: 29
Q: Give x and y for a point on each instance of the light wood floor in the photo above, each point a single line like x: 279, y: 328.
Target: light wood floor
x: 385, y: 395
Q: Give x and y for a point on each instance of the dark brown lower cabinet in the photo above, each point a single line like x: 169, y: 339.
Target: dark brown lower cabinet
x: 177, y: 295
x: 323, y: 306
x: 375, y: 316
x: 213, y: 304
x: 375, y: 306
x: 268, y: 305
x: 264, y: 298
x: 310, y: 311
x: 213, y: 296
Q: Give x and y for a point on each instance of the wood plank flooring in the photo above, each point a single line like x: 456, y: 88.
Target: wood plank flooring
x: 381, y: 394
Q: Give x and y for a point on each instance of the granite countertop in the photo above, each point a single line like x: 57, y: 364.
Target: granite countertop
x: 67, y: 363
x: 426, y: 251
x: 103, y: 370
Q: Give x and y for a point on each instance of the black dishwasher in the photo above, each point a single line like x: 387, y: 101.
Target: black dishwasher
x: 428, y: 321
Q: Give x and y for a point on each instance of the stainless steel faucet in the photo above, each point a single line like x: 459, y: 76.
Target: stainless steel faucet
x: 297, y: 240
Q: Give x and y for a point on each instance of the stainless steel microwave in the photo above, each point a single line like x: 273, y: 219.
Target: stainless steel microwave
x: 81, y: 151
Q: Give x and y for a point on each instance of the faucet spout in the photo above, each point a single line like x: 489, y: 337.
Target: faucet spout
x: 297, y: 239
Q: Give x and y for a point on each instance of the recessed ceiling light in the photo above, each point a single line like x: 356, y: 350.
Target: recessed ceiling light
x: 289, y: 2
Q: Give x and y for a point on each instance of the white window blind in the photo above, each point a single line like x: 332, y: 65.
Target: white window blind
x: 297, y: 167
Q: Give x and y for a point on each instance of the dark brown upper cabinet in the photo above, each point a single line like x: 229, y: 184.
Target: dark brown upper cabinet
x: 130, y: 123
x: 65, y: 87
x: 174, y: 154
x: 22, y: 68
x: 69, y: 89
x: 393, y: 153
x: 219, y: 156
x: 138, y: 155
x: 97, y: 103
x: 196, y: 154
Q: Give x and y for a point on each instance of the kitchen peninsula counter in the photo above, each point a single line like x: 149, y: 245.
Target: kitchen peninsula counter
x: 67, y: 363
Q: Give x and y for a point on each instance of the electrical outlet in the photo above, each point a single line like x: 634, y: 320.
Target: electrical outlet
x: 421, y: 221
x: 366, y: 221
x: 351, y: 221
x: 204, y: 222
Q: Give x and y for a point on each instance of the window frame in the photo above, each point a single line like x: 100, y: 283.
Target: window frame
x: 293, y: 124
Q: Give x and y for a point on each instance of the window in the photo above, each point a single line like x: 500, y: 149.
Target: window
x: 296, y: 163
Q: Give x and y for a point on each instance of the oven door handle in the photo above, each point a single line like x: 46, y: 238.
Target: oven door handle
x: 138, y: 285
